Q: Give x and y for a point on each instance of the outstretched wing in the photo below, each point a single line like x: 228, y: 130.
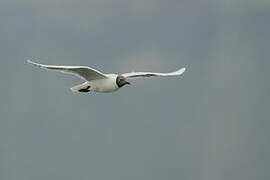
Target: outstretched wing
x: 83, y: 72
x: 152, y: 74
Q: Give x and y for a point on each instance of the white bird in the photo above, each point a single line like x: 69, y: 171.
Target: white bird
x: 100, y: 82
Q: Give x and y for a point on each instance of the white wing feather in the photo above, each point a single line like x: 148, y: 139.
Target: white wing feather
x: 83, y: 72
x: 151, y: 74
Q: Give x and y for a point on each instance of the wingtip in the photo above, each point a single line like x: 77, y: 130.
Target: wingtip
x: 29, y: 61
x: 181, y: 71
x: 34, y: 64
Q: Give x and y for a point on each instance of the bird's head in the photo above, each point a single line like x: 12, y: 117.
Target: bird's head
x: 121, y: 81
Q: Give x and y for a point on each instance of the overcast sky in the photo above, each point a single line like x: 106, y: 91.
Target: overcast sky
x: 212, y: 123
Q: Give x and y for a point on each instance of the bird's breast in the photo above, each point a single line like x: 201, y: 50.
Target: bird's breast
x: 105, y: 85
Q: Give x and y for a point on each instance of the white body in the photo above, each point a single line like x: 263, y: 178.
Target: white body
x: 100, y: 82
x: 104, y: 85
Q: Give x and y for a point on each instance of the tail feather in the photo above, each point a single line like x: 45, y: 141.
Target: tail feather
x: 85, y: 87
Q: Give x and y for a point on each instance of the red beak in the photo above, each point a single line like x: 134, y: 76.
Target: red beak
x: 128, y: 83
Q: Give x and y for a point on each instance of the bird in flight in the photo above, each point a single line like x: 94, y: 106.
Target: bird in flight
x: 100, y: 82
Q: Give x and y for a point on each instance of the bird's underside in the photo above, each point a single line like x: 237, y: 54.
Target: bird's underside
x: 100, y: 82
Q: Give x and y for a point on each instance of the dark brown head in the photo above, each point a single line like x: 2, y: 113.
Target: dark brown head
x: 121, y: 81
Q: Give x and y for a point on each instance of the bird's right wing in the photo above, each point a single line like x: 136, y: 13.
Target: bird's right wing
x: 84, y: 72
x: 152, y: 74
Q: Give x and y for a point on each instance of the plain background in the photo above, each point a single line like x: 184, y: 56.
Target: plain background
x: 212, y: 123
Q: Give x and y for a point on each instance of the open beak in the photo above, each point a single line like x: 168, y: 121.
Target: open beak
x: 128, y: 83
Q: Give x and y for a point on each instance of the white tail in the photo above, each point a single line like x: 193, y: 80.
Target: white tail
x: 85, y: 87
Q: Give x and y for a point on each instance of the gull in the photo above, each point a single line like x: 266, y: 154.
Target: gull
x: 99, y: 82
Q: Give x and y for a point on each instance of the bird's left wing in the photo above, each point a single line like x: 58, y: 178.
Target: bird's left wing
x: 152, y: 74
x: 83, y: 72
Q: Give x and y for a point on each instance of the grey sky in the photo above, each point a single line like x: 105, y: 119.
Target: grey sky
x: 212, y: 123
